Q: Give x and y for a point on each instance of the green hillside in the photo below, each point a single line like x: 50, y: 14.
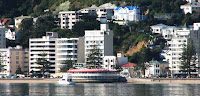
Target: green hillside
x: 125, y: 37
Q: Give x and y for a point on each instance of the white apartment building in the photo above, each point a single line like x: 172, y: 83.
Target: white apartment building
x: 57, y: 49
x: 2, y: 37
x: 44, y: 45
x: 101, y: 39
x: 10, y: 34
x: 68, y: 19
x: 190, y: 7
x: 5, y: 60
x: 127, y: 14
x: 66, y: 49
x: 175, y: 46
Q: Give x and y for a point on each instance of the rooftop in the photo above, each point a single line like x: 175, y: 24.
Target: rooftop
x: 129, y: 7
x: 128, y: 65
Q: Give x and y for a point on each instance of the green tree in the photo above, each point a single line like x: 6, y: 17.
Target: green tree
x: 188, y: 58
x: 44, y: 64
x: 143, y: 57
x: 94, y: 57
x: 86, y: 23
x: 67, y: 65
x: 19, y: 70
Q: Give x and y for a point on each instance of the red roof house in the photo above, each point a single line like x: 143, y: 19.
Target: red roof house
x: 128, y: 65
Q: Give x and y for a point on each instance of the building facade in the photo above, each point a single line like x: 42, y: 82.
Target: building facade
x: 12, y: 58
x: 101, y: 39
x: 2, y: 37
x: 190, y: 7
x: 10, y: 34
x: 127, y: 14
x: 58, y: 50
x: 174, y: 49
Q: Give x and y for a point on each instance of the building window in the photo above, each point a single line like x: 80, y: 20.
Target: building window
x: 17, y: 62
x: 17, y: 57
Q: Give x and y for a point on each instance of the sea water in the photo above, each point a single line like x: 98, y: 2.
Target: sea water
x: 98, y: 89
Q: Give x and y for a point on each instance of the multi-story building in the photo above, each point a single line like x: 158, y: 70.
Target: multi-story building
x: 127, y: 14
x: 57, y: 50
x: 5, y: 61
x: 68, y: 19
x: 12, y: 58
x: 166, y: 31
x: 190, y: 7
x: 66, y: 49
x: 45, y: 45
x: 175, y: 48
x: 2, y: 36
x: 195, y: 37
x: 100, y: 39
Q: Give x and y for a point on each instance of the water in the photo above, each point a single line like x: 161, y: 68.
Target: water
x: 99, y: 89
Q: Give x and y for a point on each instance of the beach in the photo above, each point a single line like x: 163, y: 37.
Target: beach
x: 164, y: 80
x: 28, y: 80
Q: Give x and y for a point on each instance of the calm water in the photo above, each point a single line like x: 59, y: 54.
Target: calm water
x: 99, y: 89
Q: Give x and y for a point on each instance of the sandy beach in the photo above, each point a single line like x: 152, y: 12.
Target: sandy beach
x: 28, y: 80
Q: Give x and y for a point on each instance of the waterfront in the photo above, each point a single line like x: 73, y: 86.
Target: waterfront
x: 98, y: 89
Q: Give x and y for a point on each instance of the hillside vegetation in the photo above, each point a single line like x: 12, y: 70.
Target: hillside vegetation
x: 127, y: 39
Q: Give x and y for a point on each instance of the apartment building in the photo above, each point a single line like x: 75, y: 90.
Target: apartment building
x: 69, y: 18
x: 66, y: 49
x: 57, y: 49
x: 12, y: 58
x: 101, y: 39
x: 173, y: 51
x: 44, y: 45
x: 2, y: 36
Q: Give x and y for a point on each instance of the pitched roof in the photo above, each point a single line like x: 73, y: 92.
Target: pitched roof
x: 129, y: 7
x: 128, y: 65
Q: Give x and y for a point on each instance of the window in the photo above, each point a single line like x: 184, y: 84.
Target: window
x: 17, y: 57
x: 17, y: 62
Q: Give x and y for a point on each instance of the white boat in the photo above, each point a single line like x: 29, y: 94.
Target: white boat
x: 66, y: 80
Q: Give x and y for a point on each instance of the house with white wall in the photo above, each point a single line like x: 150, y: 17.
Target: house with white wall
x: 18, y: 20
x: 10, y: 34
x: 126, y: 14
x: 190, y: 7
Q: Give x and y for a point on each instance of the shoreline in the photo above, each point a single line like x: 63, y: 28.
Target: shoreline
x: 164, y: 80
x: 129, y: 81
